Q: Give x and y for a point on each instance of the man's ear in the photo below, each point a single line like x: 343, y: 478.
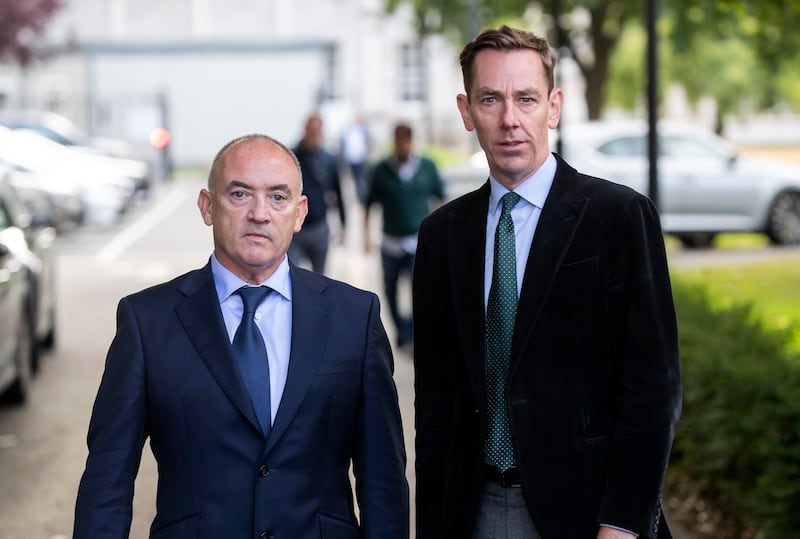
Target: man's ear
x: 204, y: 201
x: 555, y: 103
x: 466, y: 116
x: 302, y: 211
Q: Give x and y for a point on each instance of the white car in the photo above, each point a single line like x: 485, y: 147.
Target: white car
x: 104, y: 190
x: 705, y: 187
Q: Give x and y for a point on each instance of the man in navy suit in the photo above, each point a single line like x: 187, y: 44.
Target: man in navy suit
x: 171, y: 376
x: 564, y: 431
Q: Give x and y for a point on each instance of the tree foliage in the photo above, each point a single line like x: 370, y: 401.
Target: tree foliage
x: 590, y: 28
x: 20, y: 21
x: 705, y: 37
x: 761, y: 37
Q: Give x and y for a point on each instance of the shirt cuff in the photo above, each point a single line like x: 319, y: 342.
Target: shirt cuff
x: 618, y: 528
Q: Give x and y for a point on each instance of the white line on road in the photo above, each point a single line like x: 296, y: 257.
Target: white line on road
x: 140, y: 227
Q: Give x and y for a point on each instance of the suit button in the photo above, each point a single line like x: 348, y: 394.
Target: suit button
x: 265, y: 535
x: 263, y: 471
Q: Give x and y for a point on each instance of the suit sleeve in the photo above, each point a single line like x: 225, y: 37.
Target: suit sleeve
x: 650, y: 389
x: 116, y: 437
x: 379, y: 464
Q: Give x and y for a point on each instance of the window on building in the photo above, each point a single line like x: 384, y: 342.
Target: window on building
x: 333, y: 80
x: 412, y: 72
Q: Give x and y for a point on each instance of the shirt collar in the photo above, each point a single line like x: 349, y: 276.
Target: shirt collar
x: 226, y: 282
x: 534, y: 189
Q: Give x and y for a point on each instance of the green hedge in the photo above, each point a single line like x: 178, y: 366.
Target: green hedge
x: 739, y: 436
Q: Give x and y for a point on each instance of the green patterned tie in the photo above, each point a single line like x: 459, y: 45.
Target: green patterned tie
x: 500, y: 315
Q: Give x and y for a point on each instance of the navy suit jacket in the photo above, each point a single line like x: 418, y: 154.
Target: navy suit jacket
x: 170, y: 376
x: 593, y: 387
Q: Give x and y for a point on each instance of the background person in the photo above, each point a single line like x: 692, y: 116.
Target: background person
x: 241, y: 454
x: 545, y: 349
x: 355, y: 146
x: 404, y: 184
x: 322, y: 187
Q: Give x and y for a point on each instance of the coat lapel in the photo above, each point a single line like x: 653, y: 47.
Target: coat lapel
x: 560, y: 218
x: 467, y: 235
x: 310, y: 335
x: 201, y: 317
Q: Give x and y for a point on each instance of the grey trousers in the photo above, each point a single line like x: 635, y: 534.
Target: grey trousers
x: 502, y: 514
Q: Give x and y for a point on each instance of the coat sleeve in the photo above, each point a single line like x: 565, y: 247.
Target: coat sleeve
x: 433, y: 388
x: 116, y: 437
x: 648, y: 404
x: 379, y: 463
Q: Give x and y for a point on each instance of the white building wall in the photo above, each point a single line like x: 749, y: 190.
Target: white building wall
x: 366, y: 40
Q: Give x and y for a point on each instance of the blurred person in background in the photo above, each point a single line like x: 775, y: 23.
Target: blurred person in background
x: 258, y: 409
x: 404, y: 184
x: 322, y: 187
x: 355, y: 146
x: 547, y: 380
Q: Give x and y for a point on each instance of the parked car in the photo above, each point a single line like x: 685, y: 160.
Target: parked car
x: 38, y: 257
x: 104, y: 191
x: 116, y: 153
x: 16, y: 330
x: 705, y: 186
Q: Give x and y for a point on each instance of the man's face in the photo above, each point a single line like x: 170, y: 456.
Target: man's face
x: 402, y: 147
x: 312, y: 135
x: 510, y: 110
x: 255, y: 207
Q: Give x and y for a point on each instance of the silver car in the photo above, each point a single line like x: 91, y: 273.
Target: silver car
x: 705, y: 186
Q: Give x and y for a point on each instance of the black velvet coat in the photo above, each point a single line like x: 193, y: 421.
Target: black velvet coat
x: 594, y: 383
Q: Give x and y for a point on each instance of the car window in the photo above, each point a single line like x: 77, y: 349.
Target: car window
x: 689, y: 148
x: 624, y: 146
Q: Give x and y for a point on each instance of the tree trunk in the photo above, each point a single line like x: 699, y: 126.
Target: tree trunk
x: 596, y: 72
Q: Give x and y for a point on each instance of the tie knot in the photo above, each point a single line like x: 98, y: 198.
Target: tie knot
x: 509, y: 200
x: 252, y: 296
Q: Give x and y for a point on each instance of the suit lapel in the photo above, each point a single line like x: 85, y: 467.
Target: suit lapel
x: 560, y: 218
x: 310, y: 335
x: 201, y: 317
x: 466, y: 234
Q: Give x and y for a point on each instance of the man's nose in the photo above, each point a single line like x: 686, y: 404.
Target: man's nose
x: 259, y: 209
x: 509, y: 117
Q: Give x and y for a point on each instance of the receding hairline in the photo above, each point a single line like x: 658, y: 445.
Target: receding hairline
x: 251, y: 137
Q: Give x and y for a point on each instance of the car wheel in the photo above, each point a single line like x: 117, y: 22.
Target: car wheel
x: 697, y: 240
x: 17, y: 392
x: 783, y: 224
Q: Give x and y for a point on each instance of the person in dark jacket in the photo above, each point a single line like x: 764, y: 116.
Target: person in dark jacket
x: 545, y: 344
x: 321, y: 185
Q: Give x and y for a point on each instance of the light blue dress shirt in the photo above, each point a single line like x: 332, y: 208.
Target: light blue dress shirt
x: 533, y: 192
x: 273, y: 318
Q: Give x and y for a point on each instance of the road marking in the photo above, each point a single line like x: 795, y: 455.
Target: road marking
x: 140, y: 227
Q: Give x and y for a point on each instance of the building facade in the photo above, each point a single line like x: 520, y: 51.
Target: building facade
x: 210, y: 70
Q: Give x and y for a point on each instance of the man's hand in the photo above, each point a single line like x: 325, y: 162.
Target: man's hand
x: 610, y: 533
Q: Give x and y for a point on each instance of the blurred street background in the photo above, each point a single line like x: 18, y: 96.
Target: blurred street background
x: 111, y: 111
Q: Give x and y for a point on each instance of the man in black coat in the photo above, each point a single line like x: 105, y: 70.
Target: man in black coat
x: 565, y: 433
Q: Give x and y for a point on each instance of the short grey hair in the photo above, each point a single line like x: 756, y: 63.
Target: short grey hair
x: 215, y: 164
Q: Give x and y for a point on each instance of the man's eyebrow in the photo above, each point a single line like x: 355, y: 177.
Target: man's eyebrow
x: 487, y: 91
x: 233, y: 184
